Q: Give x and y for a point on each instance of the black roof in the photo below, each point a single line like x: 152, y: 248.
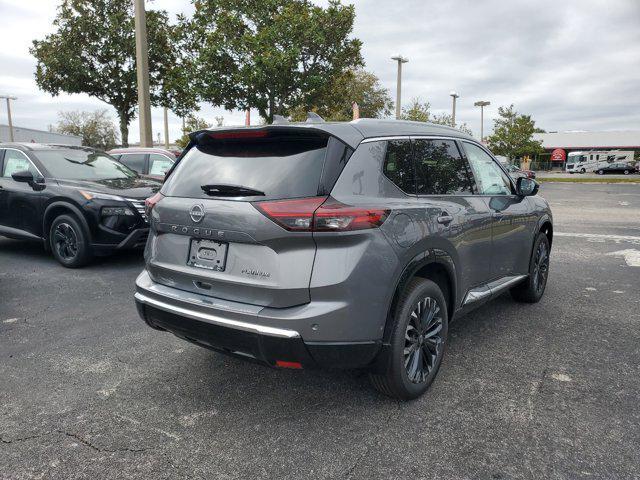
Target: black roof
x: 352, y: 133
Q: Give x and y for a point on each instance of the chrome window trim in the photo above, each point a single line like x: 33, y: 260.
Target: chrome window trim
x: 25, y: 156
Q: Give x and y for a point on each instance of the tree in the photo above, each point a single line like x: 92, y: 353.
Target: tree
x: 96, y: 128
x: 421, y: 112
x: 92, y: 51
x: 271, y: 55
x: 417, y: 111
x: 513, y: 134
x: 193, y: 124
x: 354, y: 85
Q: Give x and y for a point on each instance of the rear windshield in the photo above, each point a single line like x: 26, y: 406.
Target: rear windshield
x: 280, y: 166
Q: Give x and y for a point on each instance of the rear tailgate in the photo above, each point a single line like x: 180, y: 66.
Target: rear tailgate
x: 221, y: 245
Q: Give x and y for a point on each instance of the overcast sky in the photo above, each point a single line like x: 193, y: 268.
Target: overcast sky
x: 572, y: 65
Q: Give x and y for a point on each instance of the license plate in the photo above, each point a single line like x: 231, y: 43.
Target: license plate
x: 207, y: 254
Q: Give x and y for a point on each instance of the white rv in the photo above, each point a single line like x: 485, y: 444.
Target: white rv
x: 583, y: 162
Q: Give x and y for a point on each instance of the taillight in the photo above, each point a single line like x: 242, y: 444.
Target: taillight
x: 333, y: 216
x: 321, y: 214
x: 151, y: 202
x: 294, y: 215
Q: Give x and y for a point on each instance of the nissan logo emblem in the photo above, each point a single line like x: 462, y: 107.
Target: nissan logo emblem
x: 197, y: 213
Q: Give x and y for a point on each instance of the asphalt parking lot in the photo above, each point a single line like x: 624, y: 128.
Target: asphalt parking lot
x: 538, y: 391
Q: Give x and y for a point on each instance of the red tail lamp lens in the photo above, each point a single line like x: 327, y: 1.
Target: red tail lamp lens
x: 151, y: 202
x: 285, y: 364
x: 319, y: 214
x: 295, y: 215
x: 334, y: 216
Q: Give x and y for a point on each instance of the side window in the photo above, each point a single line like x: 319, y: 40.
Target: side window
x: 159, y: 164
x: 398, y: 165
x: 440, y: 170
x: 15, y: 161
x: 135, y: 161
x: 490, y: 179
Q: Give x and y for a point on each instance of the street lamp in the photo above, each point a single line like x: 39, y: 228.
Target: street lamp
x: 9, y: 98
x: 400, y: 59
x: 482, y: 104
x: 454, y: 95
x: 142, y: 69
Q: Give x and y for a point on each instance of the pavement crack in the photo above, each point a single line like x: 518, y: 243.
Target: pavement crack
x: 22, y: 439
x: 96, y: 448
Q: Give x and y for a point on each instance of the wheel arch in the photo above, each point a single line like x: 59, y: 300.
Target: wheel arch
x: 546, y: 226
x: 435, y: 265
x: 61, y: 207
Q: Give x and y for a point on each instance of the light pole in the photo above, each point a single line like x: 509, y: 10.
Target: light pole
x: 482, y: 104
x: 166, y: 128
x: 454, y: 95
x: 400, y: 59
x: 9, y: 98
x: 142, y: 67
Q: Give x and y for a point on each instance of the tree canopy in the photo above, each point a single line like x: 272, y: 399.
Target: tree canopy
x: 271, y: 55
x: 419, y: 111
x: 513, y: 134
x: 96, y: 128
x: 354, y: 85
x: 92, y: 51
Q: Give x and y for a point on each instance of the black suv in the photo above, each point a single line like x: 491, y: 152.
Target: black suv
x: 78, y: 201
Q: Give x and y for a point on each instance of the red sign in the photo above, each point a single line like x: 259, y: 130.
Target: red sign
x: 558, y: 155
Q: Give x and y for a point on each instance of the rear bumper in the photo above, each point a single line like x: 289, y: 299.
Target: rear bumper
x: 233, y: 328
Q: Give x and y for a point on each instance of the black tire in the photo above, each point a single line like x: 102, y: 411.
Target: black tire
x: 626, y: 172
x: 68, y: 242
x: 532, y: 290
x: 582, y: 170
x: 411, y: 347
x: 600, y: 172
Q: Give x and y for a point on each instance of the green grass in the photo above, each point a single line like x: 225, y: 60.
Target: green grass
x: 602, y: 179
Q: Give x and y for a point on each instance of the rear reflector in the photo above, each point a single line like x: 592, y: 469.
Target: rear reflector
x: 321, y: 214
x: 284, y: 364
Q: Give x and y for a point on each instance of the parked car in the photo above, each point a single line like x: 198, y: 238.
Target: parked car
x: 339, y: 245
x: 616, y: 168
x: 152, y: 162
x: 77, y: 201
x: 516, y: 172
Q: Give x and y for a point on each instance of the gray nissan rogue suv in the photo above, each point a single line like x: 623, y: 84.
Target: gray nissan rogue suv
x: 339, y: 245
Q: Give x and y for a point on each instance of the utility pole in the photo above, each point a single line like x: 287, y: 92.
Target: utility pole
x: 400, y: 59
x: 166, y: 128
x: 455, y: 96
x: 142, y: 67
x: 482, y: 104
x: 9, y: 98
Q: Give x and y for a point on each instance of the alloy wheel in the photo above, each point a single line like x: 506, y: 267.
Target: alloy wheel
x: 541, y: 267
x: 65, y: 241
x: 423, y: 340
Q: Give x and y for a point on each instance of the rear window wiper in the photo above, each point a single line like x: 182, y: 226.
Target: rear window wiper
x: 222, y: 190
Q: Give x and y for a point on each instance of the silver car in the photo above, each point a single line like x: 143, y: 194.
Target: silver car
x: 350, y: 245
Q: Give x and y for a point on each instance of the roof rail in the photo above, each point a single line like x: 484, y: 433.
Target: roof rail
x: 313, y: 117
x: 279, y: 120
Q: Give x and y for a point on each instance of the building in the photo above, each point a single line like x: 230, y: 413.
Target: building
x: 558, y: 144
x: 29, y: 135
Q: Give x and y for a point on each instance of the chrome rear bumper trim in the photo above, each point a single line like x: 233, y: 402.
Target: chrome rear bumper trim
x: 216, y: 320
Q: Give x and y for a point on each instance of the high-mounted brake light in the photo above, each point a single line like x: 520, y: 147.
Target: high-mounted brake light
x: 151, y: 202
x: 321, y: 214
x: 239, y: 134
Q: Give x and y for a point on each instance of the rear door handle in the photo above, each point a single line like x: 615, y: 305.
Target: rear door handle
x: 445, y: 218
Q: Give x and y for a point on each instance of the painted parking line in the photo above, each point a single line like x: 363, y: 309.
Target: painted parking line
x: 600, y: 237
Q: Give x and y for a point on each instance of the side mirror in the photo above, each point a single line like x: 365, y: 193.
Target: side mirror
x: 526, y: 187
x: 24, y: 176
